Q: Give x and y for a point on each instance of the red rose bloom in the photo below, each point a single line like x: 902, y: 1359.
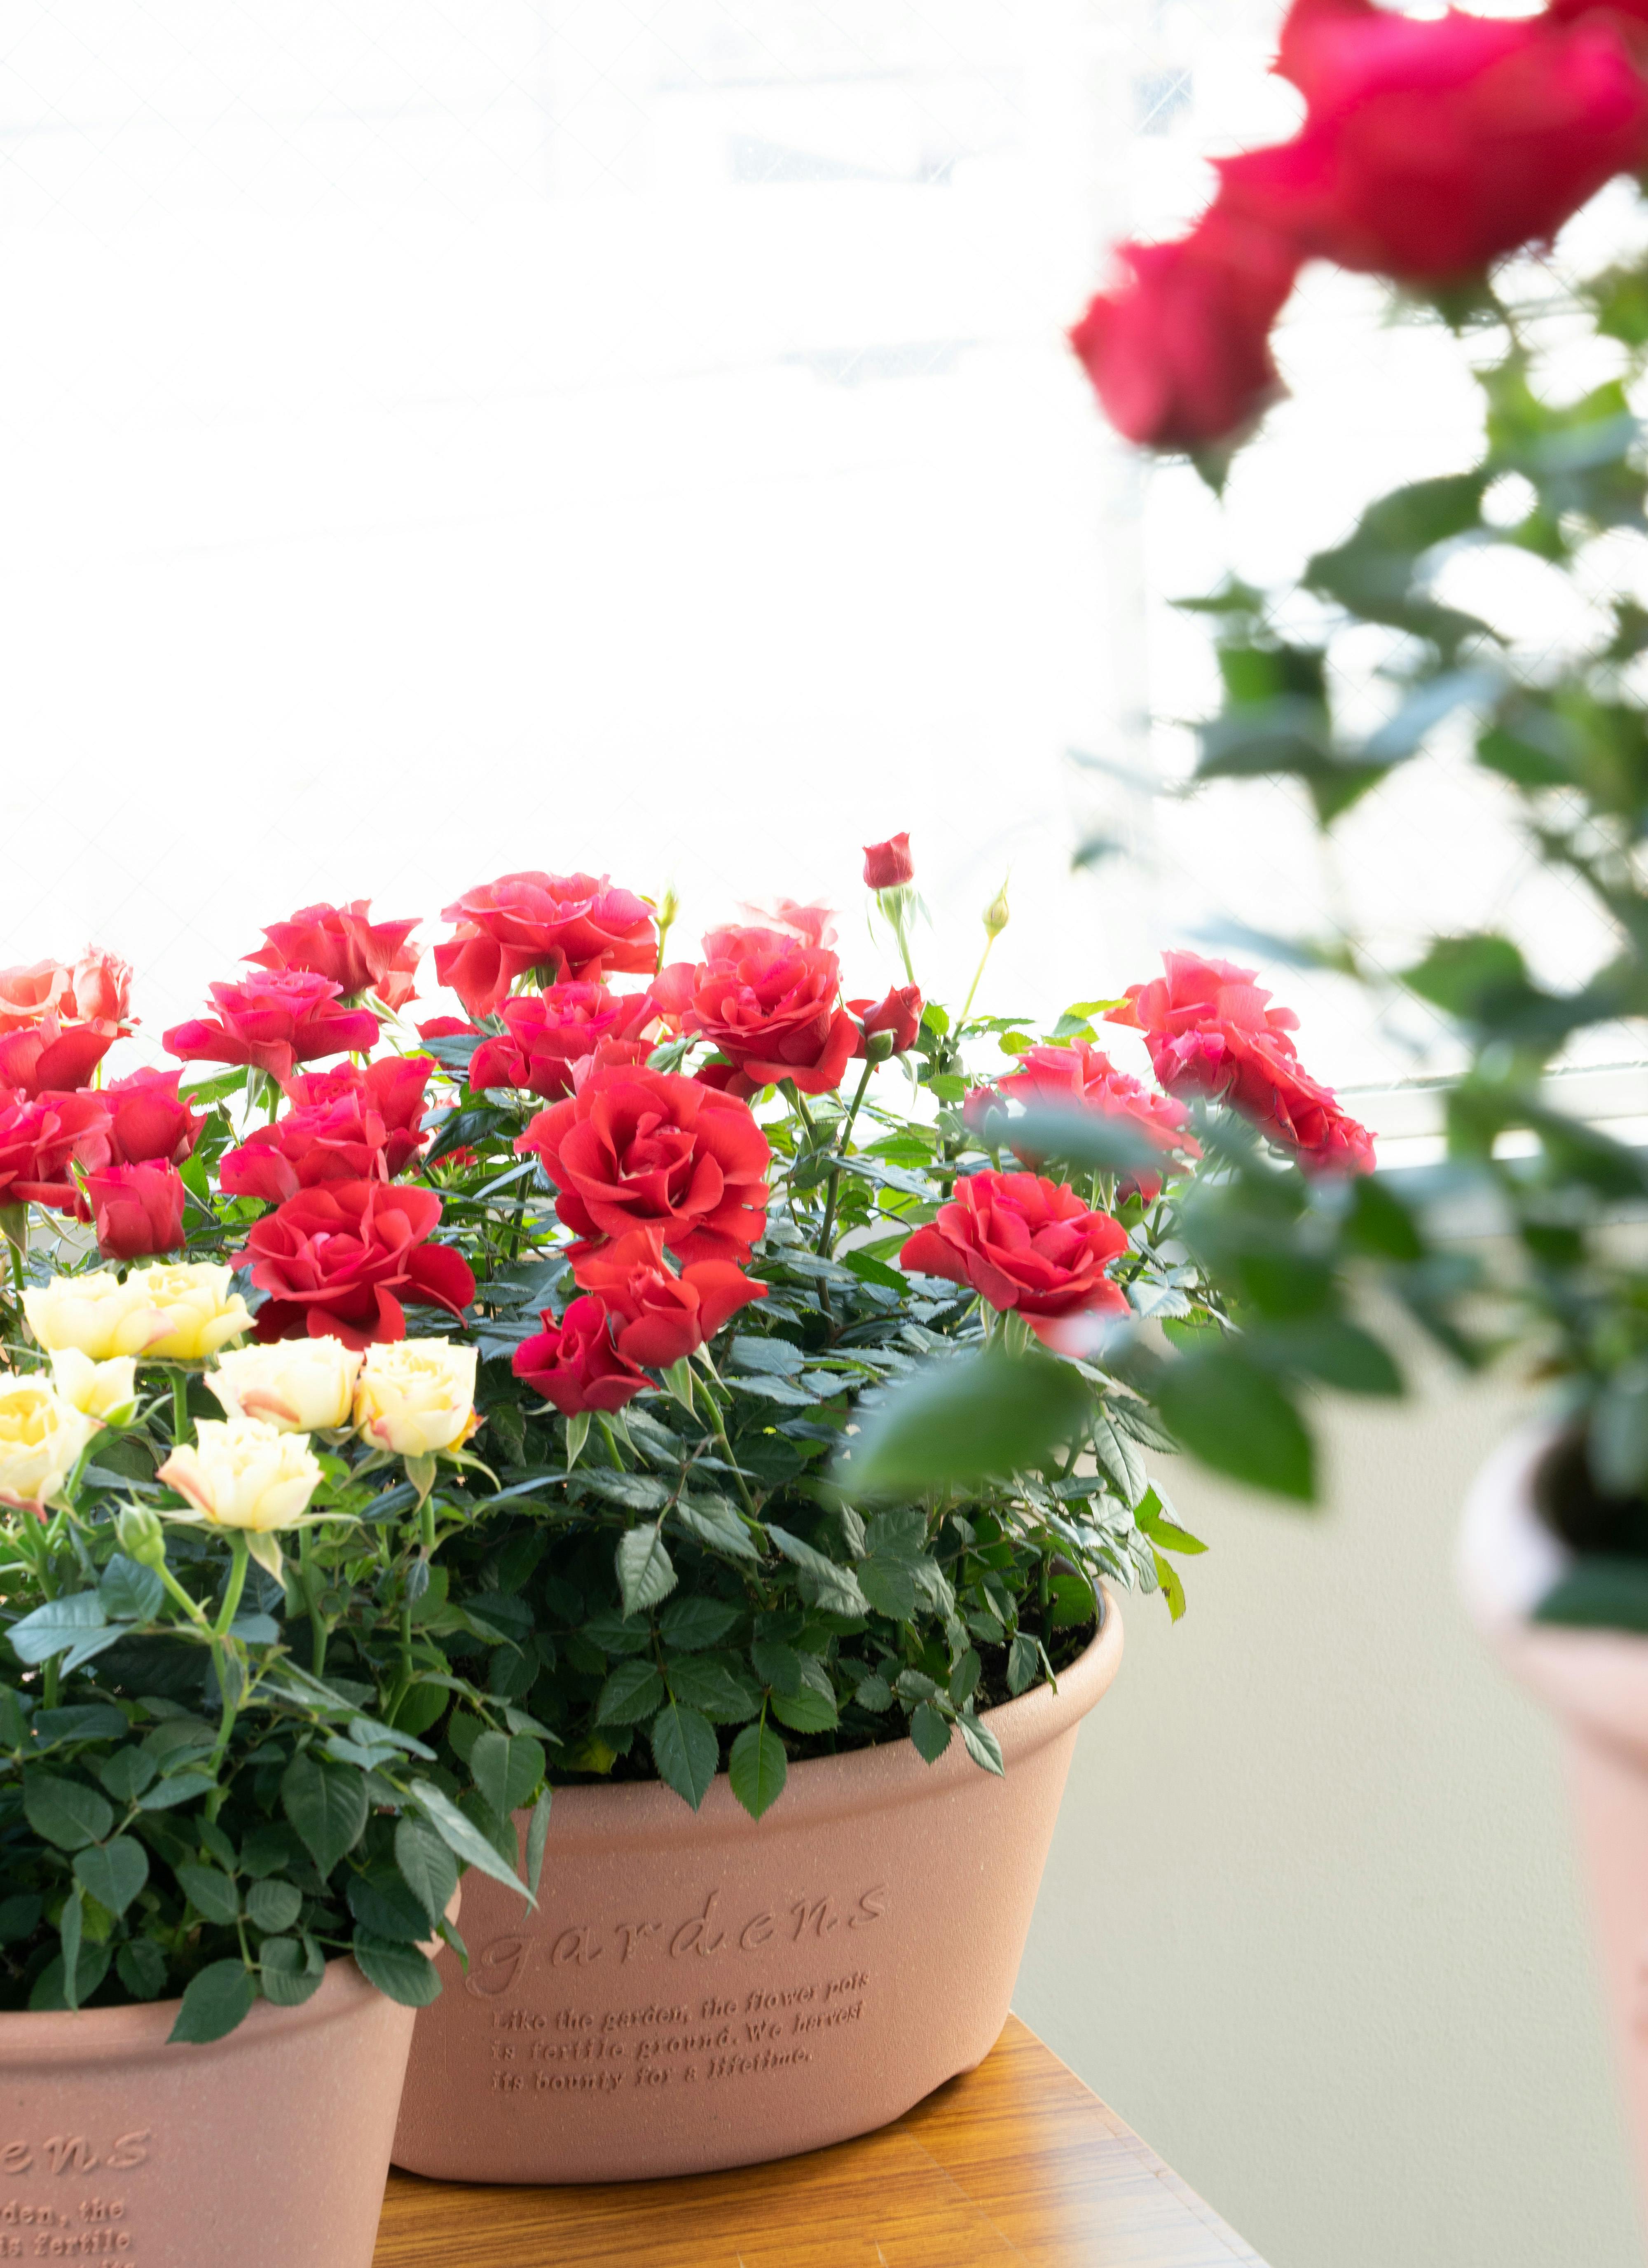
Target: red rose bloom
x: 559, y: 925
x: 96, y: 989
x: 139, y: 1210
x: 574, y: 1363
x: 344, y: 1126
x: 359, y: 955
x: 340, y: 1259
x: 646, y: 1149
x: 150, y: 1119
x: 888, y: 865
x: 1082, y: 1074
x: 771, y: 1004
x: 1211, y: 1031
x: 900, y: 1014
x: 546, y: 1033
x: 41, y: 1137
x: 53, y: 1054
x: 1179, y: 354
x: 1431, y: 146
x: 658, y: 1317
x: 1027, y: 1244
x: 274, y: 1022
x: 448, y: 1028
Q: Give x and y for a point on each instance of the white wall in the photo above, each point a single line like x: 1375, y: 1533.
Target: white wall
x: 1311, y: 1921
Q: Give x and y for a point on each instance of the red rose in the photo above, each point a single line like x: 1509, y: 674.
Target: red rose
x: 102, y: 988
x: 658, y: 1317
x: 340, y: 1259
x: 1081, y: 1073
x: 1211, y: 1031
x: 888, y: 865
x: 139, y: 1210
x: 771, y: 1005
x: 359, y: 955
x: 150, y: 1119
x: 545, y: 1033
x: 900, y: 1014
x: 1024, y: 1243
x: 1431, y: 146
x: 53, y: 1054
x: 558, y: 926
x: 448, y: 1028
x: 40, y: 1137
x: 574, y: 1363
x: 344, y: 1126
x: 646, y: 1149
x: 1180, y: 353
x: 274, y: 1022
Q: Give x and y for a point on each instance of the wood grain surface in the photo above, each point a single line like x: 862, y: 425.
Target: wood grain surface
x: 1018, y: 2162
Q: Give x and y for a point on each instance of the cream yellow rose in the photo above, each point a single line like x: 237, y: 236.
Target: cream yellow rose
x: 41, y: 1437
x: 101, y: 1390
x: 297, y: 1386
x: 82, y: 1313
x: 178, y: 1313
x: 242, y: 1473
x: 416, y: 1396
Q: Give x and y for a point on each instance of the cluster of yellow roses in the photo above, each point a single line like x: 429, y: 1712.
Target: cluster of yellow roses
x: 254, y: 1469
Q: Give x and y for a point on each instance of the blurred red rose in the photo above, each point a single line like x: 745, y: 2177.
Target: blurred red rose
x: 96, y: 989
x: 574, y: 1363
x: 888, y: 865
x: 1179, y: 353
x: 1211, y: 1031
x: 150, y: 1119
x: 1082, y: 1074
x: 447, y: 1027
x: 658, y: 1317
x: 1431, y: 145
x: 771, y: 1004
x: 560, y: 925
x: 1024, y: 1244
x: 344, y: 1126
x: 42, y: 1136
x: 900, y: 1014
x: 545, y: 1033
x: 138, y: 1208
x: 274, y: 1022
x: 340, y: 1260
x: 646, y: 1149
x: 53, y: 1054
x: 359, y: 954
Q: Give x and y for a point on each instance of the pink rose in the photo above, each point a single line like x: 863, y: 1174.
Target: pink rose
x: 149, y: 1119
x: 274, y: 1022
x: 341, y: 942
x: 888, y: 865
x: 556, y: 926
x: 1080, y: 1074
x: 42, y: 1138
x: 547, y: 1034
x: 344, y: 1126
x: 138, y: 1208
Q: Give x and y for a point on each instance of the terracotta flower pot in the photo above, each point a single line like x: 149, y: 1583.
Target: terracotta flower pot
x: 700, y: 1990
x: 1596, y: 1681
x: 267, y: 2148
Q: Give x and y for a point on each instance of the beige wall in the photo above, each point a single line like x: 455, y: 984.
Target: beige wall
x: 1311, y: 1920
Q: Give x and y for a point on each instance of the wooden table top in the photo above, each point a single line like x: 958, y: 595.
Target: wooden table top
x: 1018, y: 2162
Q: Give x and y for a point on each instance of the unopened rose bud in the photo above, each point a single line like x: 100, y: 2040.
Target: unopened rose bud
x: 888, y: 865
x: 140, y: 1536
x: 997, y: 914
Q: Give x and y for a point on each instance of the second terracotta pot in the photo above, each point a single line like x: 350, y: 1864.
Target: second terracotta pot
x: 700, y: 1990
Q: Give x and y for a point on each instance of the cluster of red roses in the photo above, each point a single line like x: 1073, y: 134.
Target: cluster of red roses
x: 1429, y: 147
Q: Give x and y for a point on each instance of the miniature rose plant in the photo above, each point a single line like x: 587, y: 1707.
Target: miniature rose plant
x: 665, y: 1367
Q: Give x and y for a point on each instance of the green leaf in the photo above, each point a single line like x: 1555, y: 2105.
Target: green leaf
x: 1022, y: 1657
x: 114, y: 1872
x: 890, y: 1586
x: 1153, y: 1522
x: 273, y: 1907
x: 399, y: 1972
x: 711, y: 1689
x: 633, y: 1691
x: 211, y: 1891
x: 806, y: 1711
x: 757, y: 1769
x: 1338, y: 1352
x: 714, y: 1521
x: 1599, y: 1591
x: 327, y: 1804
x: 506, y: 1771
x: 127, y: 1773
x: 689, y: 1624
x: 64, y: 1813
x: 175, y: 1788
x: 645, y: 1574
x: 981, y: 1744
x: 427, y: 1867
x: 930, y: 1730
x: 1238, y: 1419
x: 214, y: 2002
x: 874, y: 1693
x: 385, y: 1907
x: 685, y: 1751
x: 537, y: 1834
x: 962, y: 1420
x: 71, y: 1925
x: 777, y: 1664
x: 130, y: 1593
x: 291, y: 1972
x: 58, y: 1625
x: 463, y: 1837
x: 835, y: 1588
x: 141, y: 1967
x: 19, y: 1916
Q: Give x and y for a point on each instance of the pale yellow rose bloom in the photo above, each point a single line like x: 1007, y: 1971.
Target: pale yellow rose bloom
x: 416, y: 1396
x: 297, y: 1386
x: 84, y: 1313
x: 181, y: 1312
x: 101, y: 1390
x: 241, y: 1473
x: 41, y: 1436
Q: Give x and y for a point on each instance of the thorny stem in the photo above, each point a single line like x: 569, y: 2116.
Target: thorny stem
x: 834, y: 1183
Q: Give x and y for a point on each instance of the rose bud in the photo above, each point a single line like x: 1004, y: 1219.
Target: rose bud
x: 139, y: 1210
x: 897, y: 1019
x: 888, y: 865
